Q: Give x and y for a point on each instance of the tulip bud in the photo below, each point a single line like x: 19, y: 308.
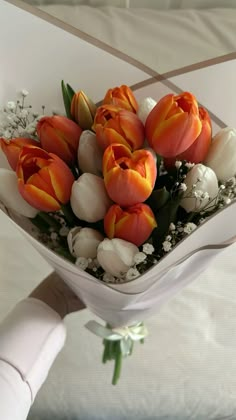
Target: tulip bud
x: 134, y: 224
x: 116, y: 256
x: 173, y: 124
x: 83, y: 110
x: 83, y: 242
x: 116, y: 125
x: 129, y: 177
x: 197, y: 152
x: 89, y: 199
x: 12, y: 148
x: 122, y: 97
x: 145, y: 107
x: 44, y: 180
x: 222, y: 154
x: 10, y: 196
x: 206, y: 188
x: 89, y: 154
x: 59, y: 135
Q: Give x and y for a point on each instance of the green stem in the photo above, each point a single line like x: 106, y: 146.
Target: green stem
x: 109, y: 345
x: 40, y: 224
x: 50, y: 220
x: 69, y: 215
x: 113, y: 350
x: 191, y: 217
x: 118, y: 364
x: 64, y: 253
x: 105, y: 352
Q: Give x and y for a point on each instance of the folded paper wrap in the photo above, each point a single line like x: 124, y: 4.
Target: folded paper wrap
x: 125, y: 304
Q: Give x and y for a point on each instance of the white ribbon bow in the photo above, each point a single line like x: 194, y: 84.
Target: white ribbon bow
x: 126, y: 335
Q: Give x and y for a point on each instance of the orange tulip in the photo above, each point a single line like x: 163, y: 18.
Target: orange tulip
x: 83, y: 110
x: 44, y: 180
x: 133, y: 224
x: 12, y: 148
x: 173, y: 125
x: 59, y: 135
x: 116, y: 125
x: 122, y: 97
x: 129, y: 177
x: 198, y: 151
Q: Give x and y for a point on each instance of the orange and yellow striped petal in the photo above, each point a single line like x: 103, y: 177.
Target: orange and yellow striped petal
x: 38, y: 198
x: 127, y: 187
x: 61, y: 179
x: 176, y: 135
x: 133, y: 224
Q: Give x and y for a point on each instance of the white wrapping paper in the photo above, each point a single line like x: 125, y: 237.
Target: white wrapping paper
x: 124, y: 304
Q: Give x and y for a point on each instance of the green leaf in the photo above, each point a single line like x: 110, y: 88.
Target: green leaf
x: 50, y: 220
x: 70, y: 91
x: 66, y: 99
x: 41, y: 224
x: 158, y: 199
x: 164, y: 217
x: 65, y: 253
x: 118, y: 363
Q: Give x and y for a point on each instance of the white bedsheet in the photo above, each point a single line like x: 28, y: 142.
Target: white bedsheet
x: 164, y: 40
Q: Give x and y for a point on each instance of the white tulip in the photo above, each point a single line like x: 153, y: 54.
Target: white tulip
x: 206, y: 188
x: 89, y: 199
x: 83, y: 242
x: 10, y: 196
x: 116, y: 256
x: 89, y: 154
x: 222, y: 154
x: 3, y: 161
x: 145, y: 107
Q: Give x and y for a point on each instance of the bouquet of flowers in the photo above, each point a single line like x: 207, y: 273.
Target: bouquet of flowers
x: 127, y: 201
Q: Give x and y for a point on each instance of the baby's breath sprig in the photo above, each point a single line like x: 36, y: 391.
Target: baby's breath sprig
x: 182, y: 168
x: 18, y: 119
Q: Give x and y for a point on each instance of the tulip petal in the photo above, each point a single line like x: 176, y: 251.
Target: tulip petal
x: 45, y: 176
x: 174, y: 124
x: 197, y: 152
x: 133, y: 129
x: 108, y: 136
x: 13, y: 147
x: 29, y: 150
x: 110, y: 126
x: 42, y: 181
x: 127, y: 187
x: 67, y: 129
x: 61, y: 179
x: 158, y: 115
x: 133, y: 224
x: 121, y: 97
x: 129, y: 177
x: 59, y: 135
x: 110, y: 220
x: 38, y: 198
x: 54, y: 143
x: 176, y: 134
